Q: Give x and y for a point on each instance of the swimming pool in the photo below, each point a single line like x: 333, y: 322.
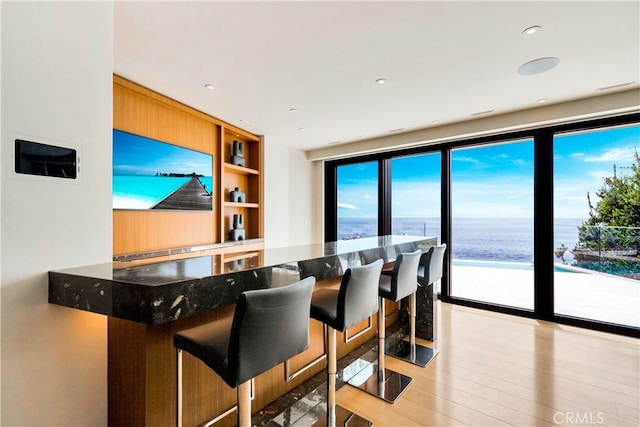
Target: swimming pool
x: 511, y: 265
x: 616, y: 267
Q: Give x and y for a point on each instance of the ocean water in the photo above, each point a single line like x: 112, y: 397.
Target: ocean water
x: 143, y: 192
x: 489, y: 239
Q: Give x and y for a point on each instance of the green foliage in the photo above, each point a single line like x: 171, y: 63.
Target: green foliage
x: 559, y: 252
x: 618, y: 209
x: 619, y: 204
x: 598, y: 238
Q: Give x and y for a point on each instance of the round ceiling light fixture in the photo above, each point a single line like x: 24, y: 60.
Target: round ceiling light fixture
x: 209, y: 86
x: 531, y: 30
x: 381, y: 81
x: 538, y: 66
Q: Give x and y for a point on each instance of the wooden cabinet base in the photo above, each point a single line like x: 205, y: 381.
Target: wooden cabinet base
x: 143, y: 378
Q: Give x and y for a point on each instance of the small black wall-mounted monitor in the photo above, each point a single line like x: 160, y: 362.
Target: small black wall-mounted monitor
x: 33, y: 158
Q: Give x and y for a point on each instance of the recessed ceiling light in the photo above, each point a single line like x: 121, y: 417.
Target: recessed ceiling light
x: 531, y: 30
x: 209, y: 86
x: 248, y: 123
x: 435, y: 122
x: 334, y: 142
x: 479, y: 113
x: 381, y: 81
x: 302, y: 129
x: 395, y: 130
x: 615, y: 86
x: 542, y: 100
x: 293, y: 110
x: 537, y: 66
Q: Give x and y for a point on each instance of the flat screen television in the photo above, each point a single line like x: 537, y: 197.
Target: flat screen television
x: 150, y: 174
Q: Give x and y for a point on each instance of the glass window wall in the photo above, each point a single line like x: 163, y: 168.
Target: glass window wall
x: 586, y: 216
x: 415, y: 195
x: 492, y: 223
x: 597, y: 225
x: 357, y: 196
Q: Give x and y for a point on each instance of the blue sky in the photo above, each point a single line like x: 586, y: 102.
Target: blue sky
x: 582, y: 160
x: 135, y: 155
x: 494, y: 181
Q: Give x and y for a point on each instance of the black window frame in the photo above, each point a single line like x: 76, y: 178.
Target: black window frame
x: 543, y: 138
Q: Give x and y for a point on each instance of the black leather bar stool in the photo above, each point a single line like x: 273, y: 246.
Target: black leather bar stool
x: 268, y: 327
x: 429, y: 272
x: 340, y: 309
x: 381, y: 382
x: 368, y: 256
x: 409, y: 350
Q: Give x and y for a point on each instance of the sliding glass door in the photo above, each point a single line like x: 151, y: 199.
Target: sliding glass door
x: 357, y: 200
x: 492, y: 223
x: 415, y: 195
x: 597, y: 225
x: 477, y: 196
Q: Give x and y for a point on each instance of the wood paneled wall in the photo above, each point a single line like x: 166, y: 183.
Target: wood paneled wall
x: 143, y: 112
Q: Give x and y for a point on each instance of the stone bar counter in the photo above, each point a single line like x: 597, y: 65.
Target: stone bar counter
x: 146, y: 303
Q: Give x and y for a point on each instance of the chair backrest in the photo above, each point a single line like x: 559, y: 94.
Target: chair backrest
x: 269, y: 326
x: 358, y: 296
x: 432, y: 264
x: 321, y: 268
x: 404, y: 248
x: 368, y: 256
x: 404, y: 278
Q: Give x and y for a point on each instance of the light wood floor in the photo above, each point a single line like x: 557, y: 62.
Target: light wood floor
x: 496, y: 370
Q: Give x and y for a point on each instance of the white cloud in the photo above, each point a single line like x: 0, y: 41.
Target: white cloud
x: 465, y: 159
x: 347, y: 206
x: 618, y: 154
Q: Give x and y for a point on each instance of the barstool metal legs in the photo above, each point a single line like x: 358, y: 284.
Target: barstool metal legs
x: 244, y: 404
x: 179, y: 397
x: 410, y: 351
x: 377, y: 380
x: 336, y: 415
x: 331, y: 378
x: 412, y: 321
x: 382, y: 334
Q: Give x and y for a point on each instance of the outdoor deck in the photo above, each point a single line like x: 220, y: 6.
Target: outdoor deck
x: 578, y: 293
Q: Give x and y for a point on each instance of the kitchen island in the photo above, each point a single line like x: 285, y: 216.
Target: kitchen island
x: 148, y: 302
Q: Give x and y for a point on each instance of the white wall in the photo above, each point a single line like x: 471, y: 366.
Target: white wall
x: 57, y: 62
x: 288, y: 216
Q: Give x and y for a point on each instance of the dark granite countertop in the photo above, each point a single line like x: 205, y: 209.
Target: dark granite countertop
x: 161, y: 292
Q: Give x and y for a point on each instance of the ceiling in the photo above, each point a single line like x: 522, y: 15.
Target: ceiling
x: 443, y: 62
